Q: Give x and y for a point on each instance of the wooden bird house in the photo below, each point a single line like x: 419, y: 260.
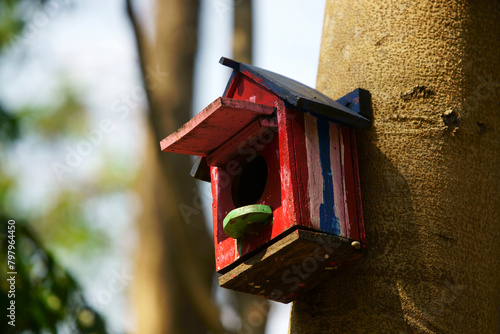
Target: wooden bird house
x: 281, y: 159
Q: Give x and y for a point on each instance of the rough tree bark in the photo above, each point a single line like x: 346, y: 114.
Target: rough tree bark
x: 429, y: 167
x: 175, y: 259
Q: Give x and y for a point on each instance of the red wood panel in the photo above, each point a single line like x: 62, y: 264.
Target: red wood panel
x: 227, y: 250
x: 232, y: 84
x: 289, y: 186
x: 213, y: 126
x: 276, y: 145
x: 356, y: 185
x: 302, y: 167
x: 286, y: 191
x: 351, y: 219
x: 271, y: 197
x: 245, y: 88
x: 224, y: 245
x: 253, y: 132
x: 248, y: 90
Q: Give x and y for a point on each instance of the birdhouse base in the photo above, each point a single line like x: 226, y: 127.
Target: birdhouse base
x: 290, y: 266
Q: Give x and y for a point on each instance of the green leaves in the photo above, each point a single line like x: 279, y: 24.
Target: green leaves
x: 9, y: 126
x: 47, y: 297
x: 11, y: 23
x: 58, y: 120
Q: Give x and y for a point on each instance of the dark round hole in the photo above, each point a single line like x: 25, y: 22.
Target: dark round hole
x: 249, y: 185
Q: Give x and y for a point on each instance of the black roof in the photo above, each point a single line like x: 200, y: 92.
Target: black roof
x: 301, y: 96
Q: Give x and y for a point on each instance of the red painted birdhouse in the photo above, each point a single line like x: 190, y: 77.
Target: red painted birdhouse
x: 281, y: 159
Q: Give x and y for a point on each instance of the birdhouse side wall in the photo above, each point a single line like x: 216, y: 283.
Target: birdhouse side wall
x: 242, y: 86
x: 283, y: 181
x: 313, y: 176
x: 333, y: 185
x: 224, y: 177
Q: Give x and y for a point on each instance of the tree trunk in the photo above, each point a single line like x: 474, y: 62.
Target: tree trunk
x: 429, y: 168
x: 243, y: 34
x: 175, y: 261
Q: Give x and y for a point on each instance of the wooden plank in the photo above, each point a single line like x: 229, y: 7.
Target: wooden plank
x: 302, y: 168
x: 231, y: 83
x: 290, y: 266
x: 350, y: 190
x: 236, y: 144
x: 288, y: 170
x: 325, y: 175
x: 357, y: 187
x: 315, y: 181
x: 247, y: 89
x: 337, y: 158
x: 258, y: 138
x: 213, y: 126
x: 299, y: 95
x: 226, y: 249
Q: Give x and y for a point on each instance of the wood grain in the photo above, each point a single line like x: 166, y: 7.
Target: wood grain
x: 213, y: 126
x: 290, y: 266
x: 232, y: 147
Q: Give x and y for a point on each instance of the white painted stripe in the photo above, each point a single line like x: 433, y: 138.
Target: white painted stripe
x: 315, y: 178
x: 336, y: 159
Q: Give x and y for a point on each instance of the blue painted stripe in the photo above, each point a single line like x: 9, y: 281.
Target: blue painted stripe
x: 328, y: 222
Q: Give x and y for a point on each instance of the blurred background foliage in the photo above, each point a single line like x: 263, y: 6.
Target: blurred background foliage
x: 49, y: 298
x: 118, y: 205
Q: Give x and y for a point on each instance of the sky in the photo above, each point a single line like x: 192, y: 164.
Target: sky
x: 90, y: 44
